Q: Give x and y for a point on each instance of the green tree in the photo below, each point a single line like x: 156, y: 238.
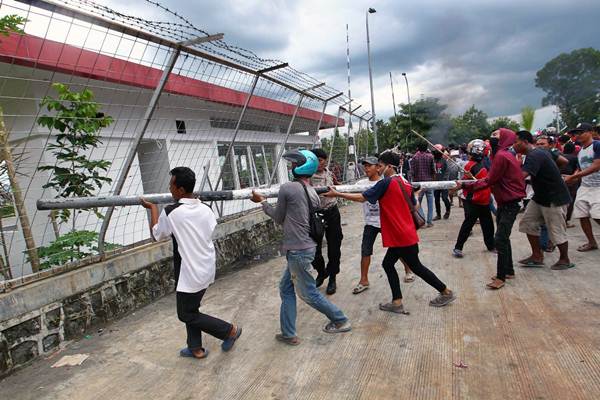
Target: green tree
x: 527, y: 118
x: 472, y: 124
x: 78, y: 122
x: 572, y: 82
x: 504, y: 122
x: 76, y: 117
x: 11, y: 23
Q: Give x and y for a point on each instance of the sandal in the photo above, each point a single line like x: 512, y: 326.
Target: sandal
x: 359, y: 288
x: 529, y: 262
x: 187, y: 352
x: 409, y: 277
x: 495, y: 284
x: 391, y: 307
x: 507, y: 276
x: 559, y: 266
x: 587, y: 247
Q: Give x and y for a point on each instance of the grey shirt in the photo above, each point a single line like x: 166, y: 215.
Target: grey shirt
x: 291, y: 211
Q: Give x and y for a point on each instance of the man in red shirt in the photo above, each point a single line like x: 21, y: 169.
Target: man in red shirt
x: 476, y: 204
x: 398, y: 232
x: 508, y: 187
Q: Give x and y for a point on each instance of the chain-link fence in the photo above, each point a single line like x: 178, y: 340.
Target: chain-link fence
x: 97, y: 102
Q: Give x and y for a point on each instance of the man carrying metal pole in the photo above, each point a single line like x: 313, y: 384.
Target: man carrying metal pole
x: 190, y: 224
x: 293, y: 211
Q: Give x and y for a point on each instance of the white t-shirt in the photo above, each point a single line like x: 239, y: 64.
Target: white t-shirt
x: 370, y: 211
x: 191, y: 224
x: 586, y: 157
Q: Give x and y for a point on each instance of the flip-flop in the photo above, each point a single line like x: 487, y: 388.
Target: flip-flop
x: 528, y: 262
x: 559, y: 266
x: 230, y: 341
x: 408, y: 278
x: 391, y: 307
x: 493, y: 285
x: 586, y: 247
x: 187, y: 352
x: 359, y: 288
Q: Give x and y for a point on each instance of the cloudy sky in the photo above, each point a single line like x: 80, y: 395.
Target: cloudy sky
x: 465, y: 52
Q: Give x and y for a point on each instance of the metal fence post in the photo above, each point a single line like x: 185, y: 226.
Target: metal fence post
x: 147, y: 118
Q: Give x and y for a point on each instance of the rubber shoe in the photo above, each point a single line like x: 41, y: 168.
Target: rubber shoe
x: 443, y: 300
x: 457, y: 253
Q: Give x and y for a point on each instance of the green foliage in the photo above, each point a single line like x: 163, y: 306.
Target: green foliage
x: 468, y: 126
x: 7, y: 210
x: 504, y: 122
x: 527, y: 117
x: 11, y: 23
x: 69, y: 247
x: 78, y: 121
x: 572, y: 82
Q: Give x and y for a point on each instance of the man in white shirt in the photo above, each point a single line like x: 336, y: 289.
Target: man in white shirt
x: 190, y: 224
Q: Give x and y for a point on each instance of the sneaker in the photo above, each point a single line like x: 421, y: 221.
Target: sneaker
x: 338, y: 327
x: 457, y: 253
x: 443, y: 300
x: 292, y: 341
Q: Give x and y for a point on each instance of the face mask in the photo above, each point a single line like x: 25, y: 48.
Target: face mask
x: 494, y: 142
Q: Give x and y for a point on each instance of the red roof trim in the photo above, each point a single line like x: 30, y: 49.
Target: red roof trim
x: 29, y: 50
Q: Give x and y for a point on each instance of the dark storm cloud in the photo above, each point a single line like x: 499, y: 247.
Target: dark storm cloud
x: 476, y: 51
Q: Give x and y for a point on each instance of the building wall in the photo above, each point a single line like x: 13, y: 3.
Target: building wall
x: 197, y: 148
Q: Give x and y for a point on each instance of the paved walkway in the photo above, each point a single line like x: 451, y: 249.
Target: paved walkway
x: 538, y: 338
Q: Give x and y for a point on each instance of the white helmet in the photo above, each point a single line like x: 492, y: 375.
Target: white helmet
x: 476, y: 147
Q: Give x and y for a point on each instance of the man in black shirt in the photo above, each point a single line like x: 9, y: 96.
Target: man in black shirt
x: 548, y: 205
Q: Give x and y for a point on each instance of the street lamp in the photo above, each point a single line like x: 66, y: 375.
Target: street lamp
x: 373, y: 124
x: 409, y: 108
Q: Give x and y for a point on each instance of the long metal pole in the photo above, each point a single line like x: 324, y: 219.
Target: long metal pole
x: 287, y: 135
x: 409, y: 109
x: 319, y: 124
x: 216, y: 195
x: 393, y: 98
x: 134, y: 145
x: 147, y: 118
x: 374, y: 123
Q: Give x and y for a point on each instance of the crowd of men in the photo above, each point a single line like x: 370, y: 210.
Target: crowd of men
x: 551, y: 179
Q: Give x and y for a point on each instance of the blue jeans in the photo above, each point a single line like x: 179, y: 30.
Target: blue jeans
x: 297, y: 277
x: 429, y: 194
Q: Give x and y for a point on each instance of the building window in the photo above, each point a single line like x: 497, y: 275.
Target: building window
x: 180, y: 125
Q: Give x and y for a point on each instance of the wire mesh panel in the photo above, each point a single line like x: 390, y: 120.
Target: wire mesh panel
x: 81, y: 90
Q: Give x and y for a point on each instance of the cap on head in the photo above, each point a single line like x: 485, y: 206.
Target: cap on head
x: 369, y: 160
x: 581, y: 128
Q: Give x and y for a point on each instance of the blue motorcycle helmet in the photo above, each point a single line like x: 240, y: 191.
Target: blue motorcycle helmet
x: 306, y: 162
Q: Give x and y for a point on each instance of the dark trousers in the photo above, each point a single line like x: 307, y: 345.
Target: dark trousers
x: 473, y: 212
x: 333, y: 233
x: 196, y: 322
x: 507, y: 213
x: 410, y: 255
x: 444, y: 195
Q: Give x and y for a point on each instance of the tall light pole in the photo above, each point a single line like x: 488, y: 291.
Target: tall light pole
x: 409, y: 107
x: 393, y: 98
x: 373, y: 123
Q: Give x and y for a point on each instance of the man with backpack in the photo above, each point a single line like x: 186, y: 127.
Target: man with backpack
x: 293, y: 212
x: 396, y: 204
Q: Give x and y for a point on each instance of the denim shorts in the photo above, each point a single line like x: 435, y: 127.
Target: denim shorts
x: 368, y: 239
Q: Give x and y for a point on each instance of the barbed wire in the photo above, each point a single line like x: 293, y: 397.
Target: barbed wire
x: 180, y: 29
